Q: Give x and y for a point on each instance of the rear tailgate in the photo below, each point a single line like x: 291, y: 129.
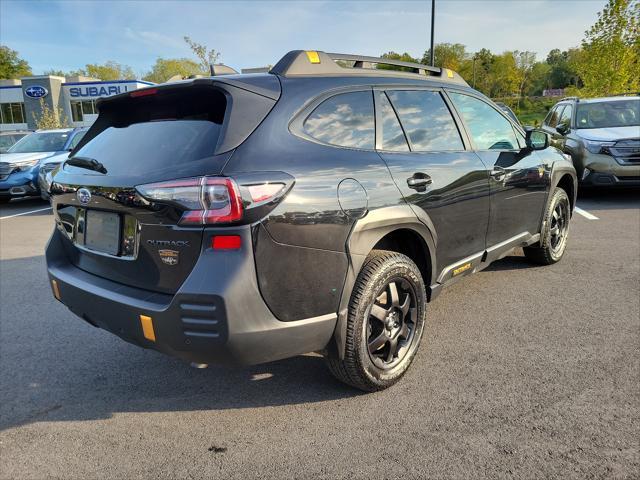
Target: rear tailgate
x: 154, y: 135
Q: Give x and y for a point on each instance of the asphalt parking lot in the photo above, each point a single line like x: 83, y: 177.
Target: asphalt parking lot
x: 523, y: 372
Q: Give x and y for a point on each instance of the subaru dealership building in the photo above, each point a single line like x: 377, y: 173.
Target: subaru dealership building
x: 21, y: 100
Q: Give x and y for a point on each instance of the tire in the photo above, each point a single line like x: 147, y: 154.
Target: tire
x: 555, y: 231
x: 384, y: 323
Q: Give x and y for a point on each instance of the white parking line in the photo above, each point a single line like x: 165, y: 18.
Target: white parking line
x: 26, y: 213
x: 585, y: 214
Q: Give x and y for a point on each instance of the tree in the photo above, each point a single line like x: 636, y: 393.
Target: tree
x: 562, y: 68
x: 524, y: 62
x: 447, y: 55
x: 609, y: 62
x: 403, y: 57
x: 50, y: 118
x: 12, y: 66
x: 62, y: 73
x: 109, y: 71
x: 206, y: 56
x: 165, y: 68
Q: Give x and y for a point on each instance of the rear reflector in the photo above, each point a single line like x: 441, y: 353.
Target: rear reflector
x: 56, y: 290
x: 144, y: 92
x: 147, y: 328
x: 226, y: 242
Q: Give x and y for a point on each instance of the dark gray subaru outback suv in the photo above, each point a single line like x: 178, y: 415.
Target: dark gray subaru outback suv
x: 319, y: 207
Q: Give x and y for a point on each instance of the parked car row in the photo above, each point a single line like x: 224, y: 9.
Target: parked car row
x: 26, y: 165
x: 602, y: 136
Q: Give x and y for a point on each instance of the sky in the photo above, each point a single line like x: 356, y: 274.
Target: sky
x: 66, y: 35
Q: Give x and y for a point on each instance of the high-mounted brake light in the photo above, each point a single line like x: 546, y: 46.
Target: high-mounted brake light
x: 143, y: 93
x: 206, y: 200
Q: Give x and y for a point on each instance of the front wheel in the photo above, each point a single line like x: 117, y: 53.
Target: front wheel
x: 385, y: 322
x: 555, y: 231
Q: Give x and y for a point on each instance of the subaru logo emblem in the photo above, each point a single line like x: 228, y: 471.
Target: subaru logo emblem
x: 84, y: 196
x: 36, y: 91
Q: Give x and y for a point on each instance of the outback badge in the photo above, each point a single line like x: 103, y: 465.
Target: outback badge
x: 169, y: 257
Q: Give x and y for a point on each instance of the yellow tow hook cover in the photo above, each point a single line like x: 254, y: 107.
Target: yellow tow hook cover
x: 147, y: 328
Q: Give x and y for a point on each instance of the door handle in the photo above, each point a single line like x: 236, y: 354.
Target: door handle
x: 419, y: 181
x: 498, y: 173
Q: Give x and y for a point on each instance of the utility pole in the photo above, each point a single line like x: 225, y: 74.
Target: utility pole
x: 433, y: 15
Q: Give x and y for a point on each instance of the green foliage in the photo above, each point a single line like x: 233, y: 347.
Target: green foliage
x: 50, y: 118
x: 109, y: 71
x: 165, y: 68
x: 610, y: 59
x: 404, y: 57
x: 447, y: 55
x: 12, y: 66
x: 206, y: 56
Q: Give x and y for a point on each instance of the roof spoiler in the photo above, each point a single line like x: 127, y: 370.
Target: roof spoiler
x: 217, y: 69
x: 313, y: 62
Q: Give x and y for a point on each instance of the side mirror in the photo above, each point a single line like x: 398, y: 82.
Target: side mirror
x: 537, y: 139
x: 562, y: 128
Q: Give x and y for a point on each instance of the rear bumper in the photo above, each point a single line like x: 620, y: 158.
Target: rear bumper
x: 217, y: 316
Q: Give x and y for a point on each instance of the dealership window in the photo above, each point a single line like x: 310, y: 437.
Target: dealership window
x: 81, y: 108
x: 12, y: 113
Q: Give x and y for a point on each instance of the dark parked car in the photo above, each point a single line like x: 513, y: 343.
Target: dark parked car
x: 602, y: 135
x: 250, y: 218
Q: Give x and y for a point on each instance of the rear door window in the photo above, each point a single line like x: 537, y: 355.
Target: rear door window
x: 390, y: 134
x: 426, y: 120
x: 488, y: 128
x: 344, y: 120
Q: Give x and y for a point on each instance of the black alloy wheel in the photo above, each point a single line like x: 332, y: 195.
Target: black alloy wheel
x: 391, y: 322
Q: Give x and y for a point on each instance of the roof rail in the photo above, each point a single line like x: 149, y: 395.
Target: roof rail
x: 569, y: 98
x: 313, y: 62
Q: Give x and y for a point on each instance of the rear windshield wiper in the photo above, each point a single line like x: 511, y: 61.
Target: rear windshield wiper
x: 86, y: 162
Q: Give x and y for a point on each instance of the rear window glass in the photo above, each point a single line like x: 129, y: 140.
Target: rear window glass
x: 159, y: 145
x: 344, y: 120
x: 157, y: 133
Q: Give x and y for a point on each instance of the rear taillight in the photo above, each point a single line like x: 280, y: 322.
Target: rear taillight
x: 206, y: 200
x: 214, y: 200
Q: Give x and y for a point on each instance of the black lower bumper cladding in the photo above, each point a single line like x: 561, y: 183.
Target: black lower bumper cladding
x: 217, y: 316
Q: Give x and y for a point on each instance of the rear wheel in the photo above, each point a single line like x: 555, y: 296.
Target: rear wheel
x: 385, y: 323
x: 554, y: 235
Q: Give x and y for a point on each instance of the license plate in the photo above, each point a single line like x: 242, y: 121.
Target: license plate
x: 102, y: 232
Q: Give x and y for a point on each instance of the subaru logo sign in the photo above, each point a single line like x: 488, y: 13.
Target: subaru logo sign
x: 84, y: 196
x: 36, y: 91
